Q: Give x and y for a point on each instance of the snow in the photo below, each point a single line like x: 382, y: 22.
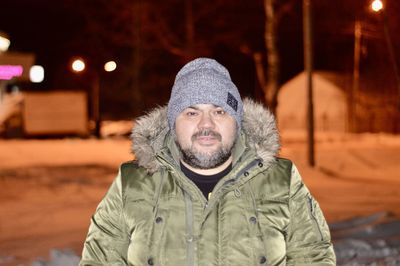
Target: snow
x: 50, y: 188
x: 354, y: 175
x: 330, y: 106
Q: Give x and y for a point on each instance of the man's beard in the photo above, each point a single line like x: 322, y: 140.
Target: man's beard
x: 205, y: 160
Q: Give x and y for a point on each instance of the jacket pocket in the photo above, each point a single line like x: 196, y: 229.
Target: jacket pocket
x: 257, y: 239
x: 274, y: 218
x: 157, y: 238
x: 147, y: 235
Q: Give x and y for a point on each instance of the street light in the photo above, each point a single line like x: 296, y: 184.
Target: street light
x: 110, y: 66
x: 377, y: 5
x: 4, y: 42
x: 36, y: 74
x: 79, y: 65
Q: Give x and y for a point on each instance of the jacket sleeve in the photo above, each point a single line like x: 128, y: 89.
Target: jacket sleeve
x: 308, y: 239
x: 107, y: 240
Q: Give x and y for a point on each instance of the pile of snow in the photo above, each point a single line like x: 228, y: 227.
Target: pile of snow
x: 59, y: 258
x: 116, y: 128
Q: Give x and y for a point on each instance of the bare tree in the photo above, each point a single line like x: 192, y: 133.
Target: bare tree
x: 182, y: 29
x: 181, y: 37
x: 268, y: 75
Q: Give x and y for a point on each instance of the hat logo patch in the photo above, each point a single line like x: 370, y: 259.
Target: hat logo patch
x: 232, y: 102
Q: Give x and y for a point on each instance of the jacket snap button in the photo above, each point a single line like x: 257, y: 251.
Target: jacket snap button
x: 253, y: 219
x: 150, y: 262
x: 260, y: 164
x: 246, y: 173
x: 158, y: 220
x: 237, y: 193
x: 263, y: 260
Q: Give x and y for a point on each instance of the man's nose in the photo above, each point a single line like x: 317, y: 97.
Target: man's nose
x: 206, y: 121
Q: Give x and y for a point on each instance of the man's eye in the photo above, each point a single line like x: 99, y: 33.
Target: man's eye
x: 191, y: 113
x: 220, y: 112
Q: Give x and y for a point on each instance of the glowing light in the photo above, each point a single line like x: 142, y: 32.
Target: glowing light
x: 36, y: 74
x: 8, y: 72
x: 4, y: 42
x: 110, y: 66
x: 78, y: 65
x: 377, y: 5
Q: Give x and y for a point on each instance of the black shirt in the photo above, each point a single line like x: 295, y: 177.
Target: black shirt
x: 205, y: 183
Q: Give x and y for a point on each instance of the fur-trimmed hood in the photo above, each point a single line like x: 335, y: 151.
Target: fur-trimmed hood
x: 258, y: 124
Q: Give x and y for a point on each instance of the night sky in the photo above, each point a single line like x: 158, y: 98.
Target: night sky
x: 57, y: 30
x: 43, y: 28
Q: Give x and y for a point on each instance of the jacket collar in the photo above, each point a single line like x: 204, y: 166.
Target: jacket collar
x: 150, y: 135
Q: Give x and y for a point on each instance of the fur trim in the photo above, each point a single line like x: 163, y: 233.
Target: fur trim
x: 148, y: 136
x: 258, y: 124
x: 260, y: 127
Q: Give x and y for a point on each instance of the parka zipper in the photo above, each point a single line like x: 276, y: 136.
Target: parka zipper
x: 314, y: 219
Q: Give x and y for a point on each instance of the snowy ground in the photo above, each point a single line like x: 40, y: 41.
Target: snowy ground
x: 50, y: 188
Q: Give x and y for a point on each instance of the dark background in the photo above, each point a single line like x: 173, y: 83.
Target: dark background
x: 132, y: 33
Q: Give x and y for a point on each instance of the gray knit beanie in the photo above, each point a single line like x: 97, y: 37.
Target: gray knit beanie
x: 204, y: 81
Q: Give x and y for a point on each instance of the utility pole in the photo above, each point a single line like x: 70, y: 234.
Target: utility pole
x: 352, y: 98
x: 308, y: 66
x: 391, y: 53
x: 4, y: 44
x: 96, y: 103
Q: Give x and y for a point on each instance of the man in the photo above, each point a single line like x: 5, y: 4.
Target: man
x: 207, y: 188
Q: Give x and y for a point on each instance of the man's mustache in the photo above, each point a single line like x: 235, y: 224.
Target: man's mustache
x: 207, y: 133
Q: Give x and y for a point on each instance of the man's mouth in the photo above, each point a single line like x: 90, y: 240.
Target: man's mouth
x: 206, y: 137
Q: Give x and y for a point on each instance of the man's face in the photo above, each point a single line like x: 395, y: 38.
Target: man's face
x: 205, y: 134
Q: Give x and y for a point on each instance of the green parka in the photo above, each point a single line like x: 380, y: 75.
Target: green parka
x: 260, y: 214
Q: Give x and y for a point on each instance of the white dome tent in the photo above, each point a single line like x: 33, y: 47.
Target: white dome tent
x: 330, y: 108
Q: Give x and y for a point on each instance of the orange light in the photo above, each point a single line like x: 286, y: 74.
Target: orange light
x: 4, y: 42
x: 78, y: 65
x: 377, y: 5
x: 110, y: 66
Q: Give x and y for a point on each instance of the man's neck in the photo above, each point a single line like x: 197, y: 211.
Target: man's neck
x: 211, y: 171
